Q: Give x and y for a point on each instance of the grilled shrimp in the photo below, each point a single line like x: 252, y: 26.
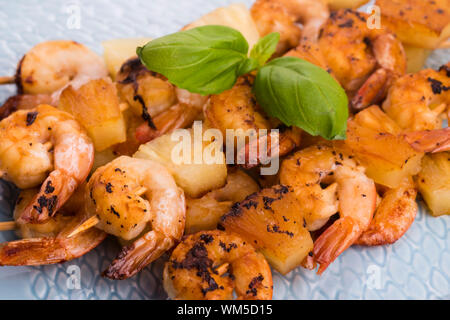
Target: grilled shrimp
x: 310, y: 51
x: 136, y: 198
x: 52, y: 65
x: 209, y: 265
x: 363, y: 60
x: 161, y: 105
x: 48, y: 243
x: 350, y: 193
x: 36, y: 142
x: 23, y: 102
x: 182, y: 114
x: 282, y: 16
x: 393, y: 217
x: 238, y: 110
x: 416, y: 101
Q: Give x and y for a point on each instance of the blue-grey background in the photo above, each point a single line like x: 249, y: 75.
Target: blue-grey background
x: 416, y: 267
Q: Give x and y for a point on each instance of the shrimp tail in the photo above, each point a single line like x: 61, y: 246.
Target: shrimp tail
x: 43, y: 251
x: 335, y: 240
x: 394, y: 216
x: 373, y: 91
x: 55, y: 191
x: 178, y: 116
x: 429, y: 140
x: 138, y: 255
x: 260, y: 150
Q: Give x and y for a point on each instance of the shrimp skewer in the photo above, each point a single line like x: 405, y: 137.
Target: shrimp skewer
x: 162, y: 106
x: 48, y: 243
x: 52, y: 65
x: 47, y: 69
x: 282, y: 16
x: 198, y: 265
x: 237, y: 109
x: 115, y: 196
x: 33, y: 143
x: 350, y: 193
x: 363, y: 60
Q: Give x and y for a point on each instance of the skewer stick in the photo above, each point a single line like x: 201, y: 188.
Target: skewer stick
x: 140, y: 191
x: 89, y: 223
x: 222, y: 268
x: 7, y: 80
x: 123, y: 107
x: 48, y: 145
x: 7, y: 225
x: 92, y: 221
x: 440, y: 108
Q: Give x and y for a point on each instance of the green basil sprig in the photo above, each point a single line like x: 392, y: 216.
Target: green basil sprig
x: 301, y: 94
x: 209, y: 59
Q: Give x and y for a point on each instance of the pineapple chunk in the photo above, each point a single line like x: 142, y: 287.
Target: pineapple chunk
x: 415, y: 58
x: 271, y: 221
x: 434, y: 182
x: 96, y: 106
x: 424, y: 24
x: 195, y: 179
x: 236, y: 16
x: 371, y: 135
x: 205, y: 213
x: 376, y: 119
x: 117, y: 51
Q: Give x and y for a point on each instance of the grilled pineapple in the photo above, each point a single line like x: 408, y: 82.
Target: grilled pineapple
x: 271, y: 221
x: 236, y: 16
x: 415, y: 58
x: 117, y: 51
x: 424, y: 24
x: 205, y: 213
x: 373, y: 137
x: 195, y: 178
x: 96, y: 106
x: 434, y: 182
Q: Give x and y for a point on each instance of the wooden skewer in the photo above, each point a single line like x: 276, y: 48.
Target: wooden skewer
x: 94, y: 220
x: 89, y: 223
x: 7, y: 80
x: 48, y: 145
x: 123, y: 107
x: 140, y: 191
x: 440, y: 108
x: 7, y: 225
x: 222, y: 269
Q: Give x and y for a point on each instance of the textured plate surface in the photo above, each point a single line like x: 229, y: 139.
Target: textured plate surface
x: 416, y: 267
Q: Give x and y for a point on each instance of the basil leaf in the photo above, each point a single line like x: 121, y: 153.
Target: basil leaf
x: 265, y: 47
x: 247, y: 66
x: 304, y: 95
x: 205, y: 60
